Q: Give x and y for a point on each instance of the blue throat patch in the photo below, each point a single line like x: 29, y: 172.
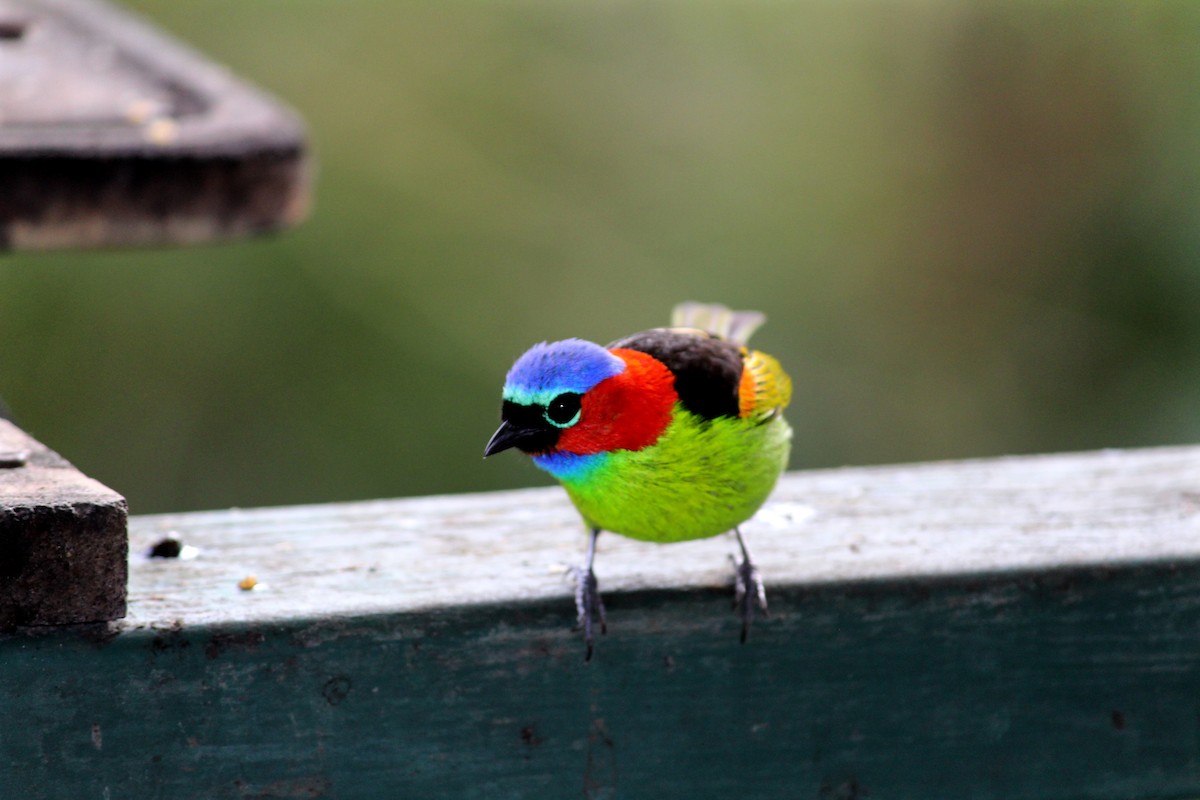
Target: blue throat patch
x: 570, y: 466
x: 547, y: 370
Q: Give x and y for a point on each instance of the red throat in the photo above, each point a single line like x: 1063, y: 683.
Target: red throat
x: 625, y: 412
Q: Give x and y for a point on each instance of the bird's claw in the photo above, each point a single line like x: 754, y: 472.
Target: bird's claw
x: 748, y: 593
x: 589, y: 606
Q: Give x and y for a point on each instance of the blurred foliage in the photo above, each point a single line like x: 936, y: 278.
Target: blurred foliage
x: 975, y: 228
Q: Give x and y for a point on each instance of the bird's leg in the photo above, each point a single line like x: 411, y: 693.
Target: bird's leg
x: 588, y: 603
x: 749, y: 589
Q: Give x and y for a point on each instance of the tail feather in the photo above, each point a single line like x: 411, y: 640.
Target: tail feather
x: 714, y: 318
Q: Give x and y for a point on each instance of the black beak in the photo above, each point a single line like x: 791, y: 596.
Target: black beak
x: 524, y: 427
x: 509, y: 435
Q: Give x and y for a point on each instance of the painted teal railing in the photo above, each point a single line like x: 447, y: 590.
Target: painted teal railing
x: 1013, y: 628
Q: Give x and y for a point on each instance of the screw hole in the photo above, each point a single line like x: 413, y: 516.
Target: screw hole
x: 12, y: 29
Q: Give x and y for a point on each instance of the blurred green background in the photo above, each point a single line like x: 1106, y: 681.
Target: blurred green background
x: 975, y: 228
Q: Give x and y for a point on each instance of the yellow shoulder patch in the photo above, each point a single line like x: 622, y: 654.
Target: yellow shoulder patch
x: 765, y: 389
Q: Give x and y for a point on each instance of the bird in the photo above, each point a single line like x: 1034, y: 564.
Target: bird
x: 667, y: 435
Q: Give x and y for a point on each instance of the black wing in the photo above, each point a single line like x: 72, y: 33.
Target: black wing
x: 707, y: 369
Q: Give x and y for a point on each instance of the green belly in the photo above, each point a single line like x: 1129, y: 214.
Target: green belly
x: 700, y: 479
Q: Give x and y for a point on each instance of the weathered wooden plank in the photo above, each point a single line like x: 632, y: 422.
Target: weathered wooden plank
x: 1016, y: 628
x: 62, y: 539
x: 888, y: 523
x: 113, y: 134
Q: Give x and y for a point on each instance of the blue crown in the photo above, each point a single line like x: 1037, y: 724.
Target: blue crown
x: 549, y: 369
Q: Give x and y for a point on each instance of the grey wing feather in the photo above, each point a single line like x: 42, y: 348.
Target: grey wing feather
x: 714, y: 318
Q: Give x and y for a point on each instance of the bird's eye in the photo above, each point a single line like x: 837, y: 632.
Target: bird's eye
x: 563, y: 411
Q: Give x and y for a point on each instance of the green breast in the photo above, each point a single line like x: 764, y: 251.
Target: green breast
x: 702, y: 478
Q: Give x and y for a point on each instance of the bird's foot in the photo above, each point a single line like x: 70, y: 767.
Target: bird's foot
x: 748, y: 593
x: 589, y: 606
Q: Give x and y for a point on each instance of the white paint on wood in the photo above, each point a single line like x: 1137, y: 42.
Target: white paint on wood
x: 963, y: 518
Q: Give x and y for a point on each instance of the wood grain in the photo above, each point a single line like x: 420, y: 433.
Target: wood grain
x: 113, y: 134
x: 63, y: 551
x: 1012, y: 628
x: 1032, y: 514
